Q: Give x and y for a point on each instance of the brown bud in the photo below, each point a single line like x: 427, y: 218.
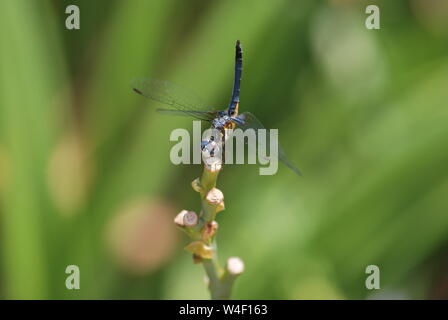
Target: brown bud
x: 210, y: 230
x: 196, y: 259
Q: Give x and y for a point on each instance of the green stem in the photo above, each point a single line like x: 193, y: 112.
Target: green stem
x: 208, y: 181
x: 204, y: 248
x: 220, y: 285
x: 219, y: 289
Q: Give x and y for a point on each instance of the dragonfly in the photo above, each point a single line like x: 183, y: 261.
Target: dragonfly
x: 180, y: 101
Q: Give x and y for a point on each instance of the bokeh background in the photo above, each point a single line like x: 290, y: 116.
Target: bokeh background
x: 85, y: 176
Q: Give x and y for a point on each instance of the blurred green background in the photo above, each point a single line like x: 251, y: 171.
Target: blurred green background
x: 85, y: 176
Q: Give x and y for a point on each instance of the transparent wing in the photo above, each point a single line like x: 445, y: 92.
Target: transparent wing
x: 179, y: 100
x: 201, y: 115
x: 250, y: 121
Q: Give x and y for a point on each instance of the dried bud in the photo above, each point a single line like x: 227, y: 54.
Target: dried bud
x: 210, y: 230
x: 200, y: 249
x: 213, y: 164
x: 186, y: 219
x: 190, y: 219
x: 215, y: 197
x: 235, y: 266
x: 196, y: 185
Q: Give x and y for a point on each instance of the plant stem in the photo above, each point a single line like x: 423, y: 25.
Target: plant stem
x: 203, y: 233
x: 214, y: 274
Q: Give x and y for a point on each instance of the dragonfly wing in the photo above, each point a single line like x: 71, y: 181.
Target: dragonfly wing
x: 201, y: 115
x: 178, y: 99
x: 284, y: 159
x: 249, y: 121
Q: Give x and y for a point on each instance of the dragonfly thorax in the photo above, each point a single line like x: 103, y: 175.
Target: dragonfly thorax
x: 221, y: 122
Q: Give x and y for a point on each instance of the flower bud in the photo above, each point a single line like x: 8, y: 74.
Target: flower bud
x: 210, y: 230
x: 235, y: 266
x: 215, y: 197
x: 186, y: 219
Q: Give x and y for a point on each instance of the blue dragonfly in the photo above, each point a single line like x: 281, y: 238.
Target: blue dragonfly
x: 183, y: 102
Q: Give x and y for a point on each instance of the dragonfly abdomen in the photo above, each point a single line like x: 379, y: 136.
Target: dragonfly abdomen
x: 233, y: 107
